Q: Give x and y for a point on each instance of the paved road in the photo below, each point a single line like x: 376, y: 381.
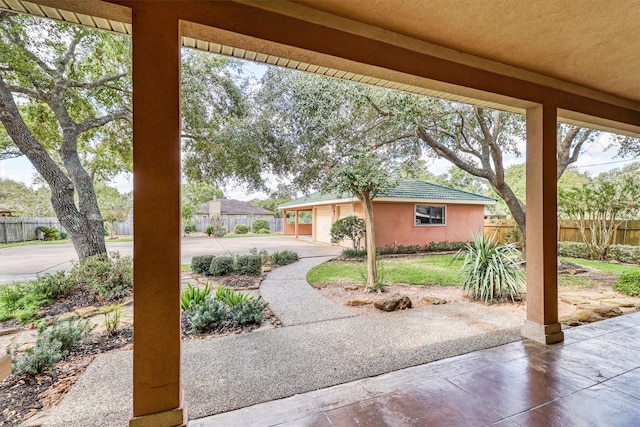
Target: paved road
x: 26, y: 262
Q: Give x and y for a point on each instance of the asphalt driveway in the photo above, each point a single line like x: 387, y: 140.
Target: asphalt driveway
x: 26, y: 262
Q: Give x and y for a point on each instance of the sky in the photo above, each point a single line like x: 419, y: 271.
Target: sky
x: 594, y: 160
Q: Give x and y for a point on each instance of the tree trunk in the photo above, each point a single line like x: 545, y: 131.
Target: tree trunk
x: 372, y: 270
x: 84, y: 227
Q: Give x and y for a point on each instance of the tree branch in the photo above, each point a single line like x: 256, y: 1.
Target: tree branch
x: 124, y: 114
x: 97, y: 83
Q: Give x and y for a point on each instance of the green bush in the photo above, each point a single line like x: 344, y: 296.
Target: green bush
x: 216, y: 229
x: 350, y: 227
x: 221, y: 266
x: 628, y: 284
x: 191, y: 296
x: 190, y: 228
x: 63, y: 235
x: 249, y: 311
x: 241, y: 229
x: 445, y: 246
x: 230, y: 297
x: 200, y: 264
x: 490, y: 271
x: 260, y: 224
x: 21, y: 301
x: 207, y: 315
x: 109, y: 277
x: 54, y: 285
x: 625, y: 253
x: 284, y: 257
x: 52, y: 345
x: 574, y: 250
x: 264, y: 231
x: 50, y: 233
x: 249, y: 264
x: 354, y: 253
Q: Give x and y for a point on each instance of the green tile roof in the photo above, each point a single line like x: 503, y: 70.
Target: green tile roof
x: 406, y: 189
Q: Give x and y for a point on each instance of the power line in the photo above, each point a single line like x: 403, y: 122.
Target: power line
x: 605, y: 163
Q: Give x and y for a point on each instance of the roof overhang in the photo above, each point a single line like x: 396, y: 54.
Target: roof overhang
x: 308, y: 205
x: 402, y: 45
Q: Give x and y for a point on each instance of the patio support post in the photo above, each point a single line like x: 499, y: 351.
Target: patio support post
x: 157, y: 389
x: 542, y: 240
x: 296, y: 224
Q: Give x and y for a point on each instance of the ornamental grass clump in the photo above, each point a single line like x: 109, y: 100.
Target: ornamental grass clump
x: 490, y: 270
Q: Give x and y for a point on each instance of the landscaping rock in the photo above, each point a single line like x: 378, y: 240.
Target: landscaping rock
x: 619, y: 302
x: 393, y: 303
x: 595, y: 313
x: 357, y: 302
x: 569, y: 320
x: 434, y: 300
x: 351, y: 288
x: 87, y: 311
x: 5, y: 366
x: 574, y: 300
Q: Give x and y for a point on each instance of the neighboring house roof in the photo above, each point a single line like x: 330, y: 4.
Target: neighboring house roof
x: 407, y: 190
x: 5, y: 208
x: 236, y: 207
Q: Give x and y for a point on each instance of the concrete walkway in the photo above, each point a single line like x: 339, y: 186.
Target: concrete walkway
x: 232, y: 372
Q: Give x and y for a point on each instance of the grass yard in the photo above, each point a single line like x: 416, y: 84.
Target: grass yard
x: 239, y: 236
x: 442, y: 270
x: 423, y: 270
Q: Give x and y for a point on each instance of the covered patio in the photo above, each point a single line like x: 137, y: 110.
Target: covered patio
x: 531, y: 57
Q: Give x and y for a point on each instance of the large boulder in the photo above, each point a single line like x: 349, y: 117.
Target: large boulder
x: 393, y: 303
x: 595, y: 313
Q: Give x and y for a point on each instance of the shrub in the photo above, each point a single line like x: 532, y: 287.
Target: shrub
x: 628, y: 284
x: 250, y: 311
x: 241, y: 229
x: 625, y: 253
x: 54, y: 285
x: 63, y: 235
x: 574, y: 250
x: 110, y: 278
x: 112, y: 315
x: 221, y: 266
x: 209, y: 230
x: 52, y: 345
x: 260, y: 224
x: 191, y: 296
x: 231, y: 297
x: 445, y: 246
x: 249, y: 264
x: 207, y: 315
x: 200, y: 264
x: 354, y: 253
x: 216, y: 229
x: 190, y: 228
x: 264, y: 231
x: 350, y: 227
x: 284, y: 257
x: 489, y: 270
x: 21, y: 301
x: 50, y: 233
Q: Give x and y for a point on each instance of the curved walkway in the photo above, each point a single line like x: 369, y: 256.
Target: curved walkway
x: 293, y: 300
x: 330, y: 347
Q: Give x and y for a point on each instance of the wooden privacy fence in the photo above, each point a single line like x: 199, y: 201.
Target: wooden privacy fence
x: 506, y: 231
x: 14, y: 229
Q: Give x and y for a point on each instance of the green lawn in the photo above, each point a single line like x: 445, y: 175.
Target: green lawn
x: 34, y: 242
x: 423, y: 270
x: 235, y: 236
x: 442, y: 270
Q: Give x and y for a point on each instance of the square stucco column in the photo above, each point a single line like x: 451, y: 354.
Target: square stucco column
x: 157, y: 389
x: 297, y: 232
x: 542, y: 242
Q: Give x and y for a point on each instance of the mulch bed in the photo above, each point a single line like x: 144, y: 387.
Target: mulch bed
x: 24, y: 397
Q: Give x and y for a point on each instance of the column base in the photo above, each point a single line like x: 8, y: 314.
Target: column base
x: 545, y: 334
x: 174, y: 418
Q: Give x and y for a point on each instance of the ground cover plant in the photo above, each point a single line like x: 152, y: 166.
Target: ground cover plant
x: 628, y: 284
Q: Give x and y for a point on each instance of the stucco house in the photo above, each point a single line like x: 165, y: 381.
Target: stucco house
x: 230, y: 208
x: 413, y: 213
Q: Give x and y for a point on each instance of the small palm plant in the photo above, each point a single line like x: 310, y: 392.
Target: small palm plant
x: 490, y: 270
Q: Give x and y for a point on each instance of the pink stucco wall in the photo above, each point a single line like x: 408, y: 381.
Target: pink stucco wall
x: 289, y: 229
x: 395, y: 222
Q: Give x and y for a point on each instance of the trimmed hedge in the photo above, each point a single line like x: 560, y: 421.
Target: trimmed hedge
x: 622, y: 253
x: 201, y: 264
x: 249, y: 264
x: 241, y: 229
x: 574, y: 250
x: 221, y: 266
x: 260, y: 224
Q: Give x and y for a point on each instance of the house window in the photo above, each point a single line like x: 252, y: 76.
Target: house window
x: 429, y: 215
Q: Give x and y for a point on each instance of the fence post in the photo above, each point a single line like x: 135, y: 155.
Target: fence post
x: 6, y: 232
x: 24, y: 234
